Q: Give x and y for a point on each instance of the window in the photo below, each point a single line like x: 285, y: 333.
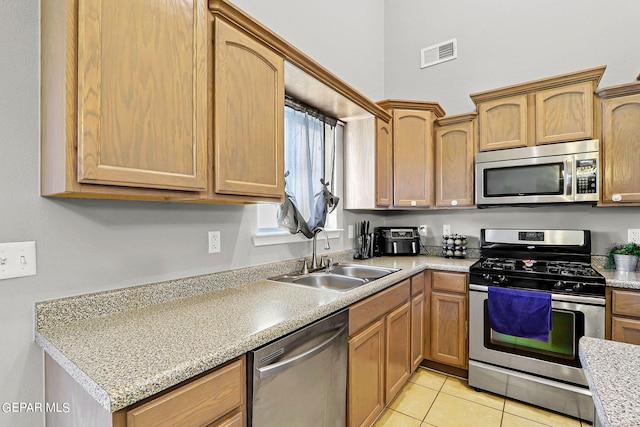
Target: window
x: 310, y: 154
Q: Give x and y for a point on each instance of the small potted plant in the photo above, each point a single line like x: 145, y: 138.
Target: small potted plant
x: 623, y: 257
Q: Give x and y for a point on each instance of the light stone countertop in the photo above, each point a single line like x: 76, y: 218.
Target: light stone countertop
x: 621, y: 279
x: 613, y: 374
x: 123, y: 355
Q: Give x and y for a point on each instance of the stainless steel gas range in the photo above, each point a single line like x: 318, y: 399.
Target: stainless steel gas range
x: 543, y: 373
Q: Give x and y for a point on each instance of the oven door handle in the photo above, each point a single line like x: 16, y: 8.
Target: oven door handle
x: 554, y: 297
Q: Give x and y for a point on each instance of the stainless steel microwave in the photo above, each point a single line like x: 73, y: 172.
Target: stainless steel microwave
x: 554, y: 173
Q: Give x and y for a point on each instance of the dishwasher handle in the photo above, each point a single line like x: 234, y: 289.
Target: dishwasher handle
x: 275, y: 368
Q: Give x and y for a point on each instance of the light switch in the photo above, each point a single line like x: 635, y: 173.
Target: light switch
x: 17, y: 259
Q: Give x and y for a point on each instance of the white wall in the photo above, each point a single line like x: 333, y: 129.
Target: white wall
x: 346, y: 37
x: 505, y: 42
x: 87, y: 246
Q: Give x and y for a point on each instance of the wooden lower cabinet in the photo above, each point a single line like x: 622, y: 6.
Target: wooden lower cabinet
x: 366, y: 375
x: 446, y: 319
x: 217, y: 398
x: 448, y: 329
x: 625, y: 315
x: 397, y: 348
x: 417, y: 319
x: 379, y: 352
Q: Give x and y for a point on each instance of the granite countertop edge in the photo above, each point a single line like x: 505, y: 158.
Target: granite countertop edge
x: 610, y: 368
x: 67, y: 343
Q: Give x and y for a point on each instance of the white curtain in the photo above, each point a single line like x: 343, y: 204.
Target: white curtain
x: 304, y: 159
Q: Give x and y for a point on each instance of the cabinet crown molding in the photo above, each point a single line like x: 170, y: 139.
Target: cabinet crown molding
x: 458, y: 118
x: 589, y: 75
x: 619, y: 90
x: 434, y: 107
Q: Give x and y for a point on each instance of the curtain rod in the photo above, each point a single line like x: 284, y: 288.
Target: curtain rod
x: 302, y: 107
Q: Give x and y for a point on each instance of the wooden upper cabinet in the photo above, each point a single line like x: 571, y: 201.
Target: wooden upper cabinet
x: 412, y: 158
x: 384, y: 164
x: 413, y: 152
x: 248, y: 115
x: 620, y: 144
x: 455, y: 150
x: 545, y: 111
x: 564, y: 114
x: 503, y: 123
x: 124, y: 97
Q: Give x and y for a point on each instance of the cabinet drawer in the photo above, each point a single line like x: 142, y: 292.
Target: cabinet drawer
x: 417, y: 284
x: 197, y: 403
x: 625, y: 330
x: 626, y: 303
x: 452, y: 282
x: 365, y: 312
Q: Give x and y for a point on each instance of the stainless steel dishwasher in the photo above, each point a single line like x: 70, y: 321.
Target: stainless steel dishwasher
x: 301, y: 379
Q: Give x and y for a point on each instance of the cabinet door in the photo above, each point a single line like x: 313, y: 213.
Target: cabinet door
x: 417, y: 330
x: 248, y: 115
x: 564, y: 114
x: 142, y: 93
x: 412, y: 158
x: 503, y: 123
x: 625, y: 330
x: 398, y: 356
x: 366, y: 377
x: 620, y: 139
x: 455, y: 164
x: 384, y: 164
x: 449, y: 329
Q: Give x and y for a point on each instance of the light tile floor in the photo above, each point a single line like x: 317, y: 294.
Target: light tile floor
x: 431, y: 398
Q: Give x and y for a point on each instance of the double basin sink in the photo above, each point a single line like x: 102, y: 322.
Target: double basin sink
x: 339, y: 277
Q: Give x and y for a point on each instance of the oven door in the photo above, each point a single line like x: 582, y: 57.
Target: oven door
x: 573, y: 317
x: 528, y: 180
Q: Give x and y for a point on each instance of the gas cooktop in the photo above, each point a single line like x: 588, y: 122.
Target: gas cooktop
x: 556, y: 261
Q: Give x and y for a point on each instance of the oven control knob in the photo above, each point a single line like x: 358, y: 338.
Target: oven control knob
x: 578, y: 287
x: 560, y: 284
x: 486, y: 277
x: 502, y: 279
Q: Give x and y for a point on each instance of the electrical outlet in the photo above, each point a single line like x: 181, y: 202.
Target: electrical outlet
x: 633, y: 235
x: 446, y: 230
x: 214, y: 242
x: 350, y: 228
x: 422, y: 230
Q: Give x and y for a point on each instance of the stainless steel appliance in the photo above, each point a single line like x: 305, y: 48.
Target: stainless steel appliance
x: 546, y: 374
x: 554, y: 173
x: 300, y: 379
x: 396, y: 241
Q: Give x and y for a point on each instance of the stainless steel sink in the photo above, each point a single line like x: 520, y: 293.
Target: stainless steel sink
x: 361, y: 271
x: 339, y: 278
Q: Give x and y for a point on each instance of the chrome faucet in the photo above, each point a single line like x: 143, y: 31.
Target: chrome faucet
x: 314, y: 260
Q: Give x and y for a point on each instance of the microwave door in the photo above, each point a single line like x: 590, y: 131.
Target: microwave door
x: 532, y: 180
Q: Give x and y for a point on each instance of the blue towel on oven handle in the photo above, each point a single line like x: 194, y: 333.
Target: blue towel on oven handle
x: 520, y: 313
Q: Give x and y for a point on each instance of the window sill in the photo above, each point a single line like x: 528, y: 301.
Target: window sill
x: 283, y: 237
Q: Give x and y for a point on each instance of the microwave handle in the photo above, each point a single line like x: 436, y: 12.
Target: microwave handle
x: 568, y: 177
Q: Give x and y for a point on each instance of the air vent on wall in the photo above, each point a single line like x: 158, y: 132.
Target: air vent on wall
x: 438, y: 53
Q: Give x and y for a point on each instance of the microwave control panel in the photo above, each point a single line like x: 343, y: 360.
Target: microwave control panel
x: 586, y: 176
